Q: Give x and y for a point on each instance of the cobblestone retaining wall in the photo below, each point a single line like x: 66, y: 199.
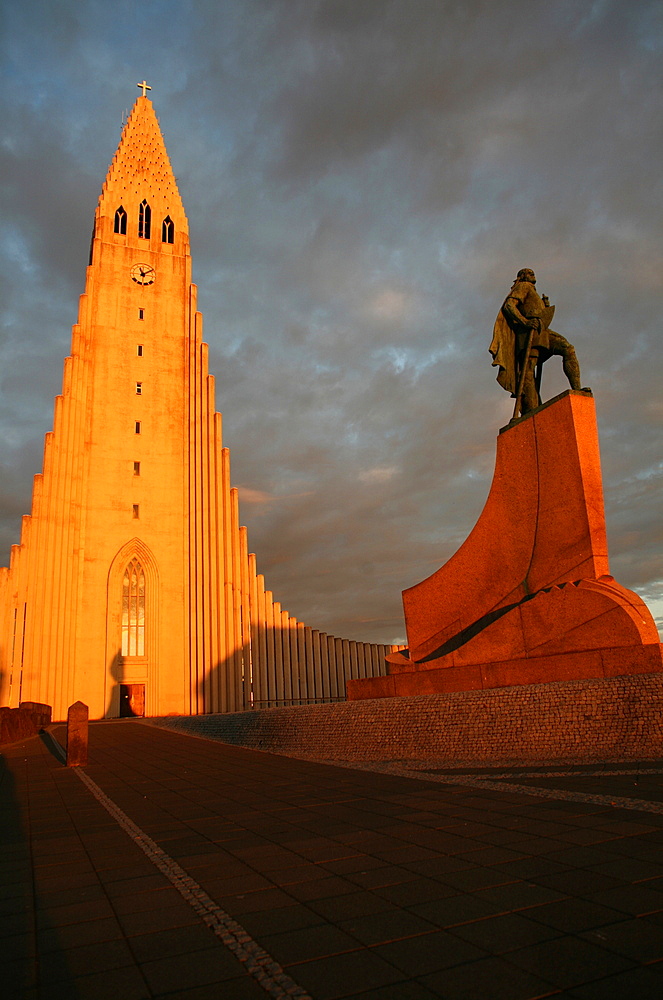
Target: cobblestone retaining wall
x: 614, y: 718
x: 18, y: 723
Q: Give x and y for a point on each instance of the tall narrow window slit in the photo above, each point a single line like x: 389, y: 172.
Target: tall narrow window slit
x: 120, y: 224
x: 144, y: 220
x: 133, y: 610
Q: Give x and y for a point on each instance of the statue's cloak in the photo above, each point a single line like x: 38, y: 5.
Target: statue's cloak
x: 503, y: 346
x: 503, y: 349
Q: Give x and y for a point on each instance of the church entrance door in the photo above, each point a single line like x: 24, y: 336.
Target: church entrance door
x: 132, y: 700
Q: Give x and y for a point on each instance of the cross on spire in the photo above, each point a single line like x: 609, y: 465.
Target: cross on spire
x: 145, y: 87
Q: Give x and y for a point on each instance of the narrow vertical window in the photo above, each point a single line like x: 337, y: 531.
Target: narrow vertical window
x: 167, y: 230
x: 135, y: 511
x: 136, y: 468
x: 139, y: 388
x: 137, y: 427
x: 133, y: 610
x: 141, y: 314
x: 139, y: 350
x: 120, y: 223
x: 144, y: 220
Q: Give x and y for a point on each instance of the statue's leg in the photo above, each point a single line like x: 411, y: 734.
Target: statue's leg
x: 560, y: 345
x: 530, y: 397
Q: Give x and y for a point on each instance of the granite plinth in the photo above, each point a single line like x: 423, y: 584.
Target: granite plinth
x: 528, y: 598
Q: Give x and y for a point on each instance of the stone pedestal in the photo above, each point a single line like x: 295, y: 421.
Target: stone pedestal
x: 528, y: 598
x: 77, y: 735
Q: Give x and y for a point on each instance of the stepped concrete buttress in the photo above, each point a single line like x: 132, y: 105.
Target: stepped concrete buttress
x: 528, y: 598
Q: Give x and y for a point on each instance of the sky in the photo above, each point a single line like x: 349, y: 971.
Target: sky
x: 362, y: 179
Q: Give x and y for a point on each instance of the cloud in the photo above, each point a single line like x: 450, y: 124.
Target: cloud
x: 362, y: 181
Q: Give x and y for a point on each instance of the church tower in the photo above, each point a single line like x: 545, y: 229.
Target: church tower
x: 132, y: 589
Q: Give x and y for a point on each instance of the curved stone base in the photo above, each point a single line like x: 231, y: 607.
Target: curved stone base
x: 528, y: 597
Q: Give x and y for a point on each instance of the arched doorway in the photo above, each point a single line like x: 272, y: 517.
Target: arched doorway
x: 132, y: 632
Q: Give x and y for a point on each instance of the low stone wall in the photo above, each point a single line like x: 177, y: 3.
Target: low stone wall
x: 19, y: 723
x: 614, y: 718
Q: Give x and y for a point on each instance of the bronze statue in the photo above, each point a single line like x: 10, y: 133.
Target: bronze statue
x: 522, y: 341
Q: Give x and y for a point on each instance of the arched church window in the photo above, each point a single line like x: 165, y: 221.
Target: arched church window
x: 120, y: 225
x: 144, y: 220
x: 133, y: 610
x: 167, y: 230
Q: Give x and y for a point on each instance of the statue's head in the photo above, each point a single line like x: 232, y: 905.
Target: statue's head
x: 526, y: 274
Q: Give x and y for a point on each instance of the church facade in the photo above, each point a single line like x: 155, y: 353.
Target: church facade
x: 132, y: 588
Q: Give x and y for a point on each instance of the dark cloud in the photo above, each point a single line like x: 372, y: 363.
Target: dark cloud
x: 362, y: 181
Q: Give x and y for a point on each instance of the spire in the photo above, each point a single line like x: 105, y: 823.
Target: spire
x: 141, y: 170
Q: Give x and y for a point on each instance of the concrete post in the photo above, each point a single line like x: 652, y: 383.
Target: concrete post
x: 77, y: 735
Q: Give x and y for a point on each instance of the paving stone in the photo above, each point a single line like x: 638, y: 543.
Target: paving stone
x: 110, y: 984
x: 402, y: 991
x: 636, y: 899
x: 426, y: 953
x: 505, y: 932
x: 178, y: 972
x: 175, y: 941
x: 459, y: 909
x: 492, y: 978
x: 346, y: 975
x: 390, y: 925
x: 357, y: 904
x: 233, y: 989
x: 574, y: 915
x: 308, y: 943
x: 84, y: 960
x: 638, y: 939
x: 286, y: 918
x: 414, y: 892
x: 643, y: 983
x: 569, y: 961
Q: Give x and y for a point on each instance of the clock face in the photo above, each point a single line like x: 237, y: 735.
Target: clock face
x: 143, y: 274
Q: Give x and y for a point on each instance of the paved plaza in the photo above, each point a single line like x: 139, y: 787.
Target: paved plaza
x: 179, y: 867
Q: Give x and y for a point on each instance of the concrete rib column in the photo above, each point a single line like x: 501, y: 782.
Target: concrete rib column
x: 211, y: 550
x: 190, y: 617
x: 257, y: 647
x: 218, y: 648
x: 226, y: 541
x: 383, y: 652
x: 346, y: 663
x: 333, y: 681
x: 200, y: 518
x: 284, y: 682
x: 263, y: 640
x: 317, y: 674
x: 246, y: 618
x: 238, y: 663
x: 57, y: 565
x: 340, y: 669
x: 37, y: 653
x: 277, y: 652
x: 205, y: 535
x: 354, y: 661
x: 29, y: 588
x: 361, y: 658
x: 302, y: 672
x: 272, y: 626
x: 324, y: 666
x: 294, y: 661
x: 64, y: 560
x: 72, y: 543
